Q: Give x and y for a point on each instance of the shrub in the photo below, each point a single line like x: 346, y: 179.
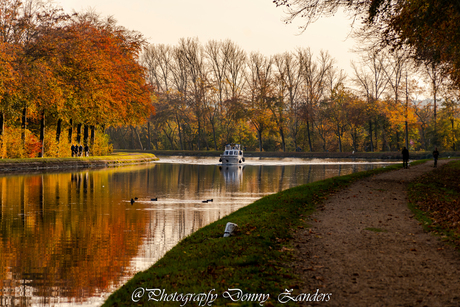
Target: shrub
x: 12, y: 145
x: 101, y: 146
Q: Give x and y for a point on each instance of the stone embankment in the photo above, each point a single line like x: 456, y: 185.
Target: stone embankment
x: 40, y: 164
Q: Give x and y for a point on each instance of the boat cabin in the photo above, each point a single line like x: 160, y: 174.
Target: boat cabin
x: 233, y: 150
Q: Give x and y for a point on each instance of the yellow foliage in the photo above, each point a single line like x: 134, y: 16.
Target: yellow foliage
x: 101, y: 145
x: 12, y: 145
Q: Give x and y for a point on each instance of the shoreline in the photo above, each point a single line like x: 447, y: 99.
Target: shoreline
x: 44, y: 164
x: 385, y: 155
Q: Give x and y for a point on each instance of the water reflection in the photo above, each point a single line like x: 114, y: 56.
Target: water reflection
x: 75, y: 237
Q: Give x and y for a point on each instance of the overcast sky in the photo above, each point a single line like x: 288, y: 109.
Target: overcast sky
x: 255, y: 25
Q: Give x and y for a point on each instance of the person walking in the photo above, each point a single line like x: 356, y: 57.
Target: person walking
x: 405, y: 154
x: 435, y: 156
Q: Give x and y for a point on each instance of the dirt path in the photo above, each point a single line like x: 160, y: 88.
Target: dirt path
x: 343, y: 253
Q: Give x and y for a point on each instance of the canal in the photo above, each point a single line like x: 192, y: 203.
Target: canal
x: 72, y: 238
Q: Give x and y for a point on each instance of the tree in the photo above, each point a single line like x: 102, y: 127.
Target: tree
x: 430, y: 29
x: 372, y: 83
x: 435, y: 77
x: 260, y: 93
x: 398, y: 65
x: 337, y: 102
x: 314, y: 76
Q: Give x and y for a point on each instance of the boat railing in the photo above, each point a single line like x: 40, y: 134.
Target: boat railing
x: 233, y: 147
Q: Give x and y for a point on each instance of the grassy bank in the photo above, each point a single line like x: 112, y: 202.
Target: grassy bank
x: 118, y: 158
x: 435, y: 200
x: 255, y: 260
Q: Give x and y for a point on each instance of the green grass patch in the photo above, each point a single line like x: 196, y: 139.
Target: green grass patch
x: 434, y: 198
x: 255, y: 260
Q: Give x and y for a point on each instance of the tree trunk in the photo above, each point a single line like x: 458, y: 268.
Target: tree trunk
x: 85, y: 135
x: 42, y: 133
x: 407, y: 136
x: 78, y: 133
x: 435, y: 111
x: 138, y: 137
x: 283, y: 144
x: 453, y: 135
x: 24, y: 126
x: 370, y: 134
x: 93, y: 135
x: 354, y: 136
x: 148, y: 135
x: 375, y: 134
x: 308, y: 133
x: 70, y: 132
x: 214, y: 135
x: 2, y: 127
x: 259, y: 132
x: 58, y: 130
x: 199, y: 134
x: 340, y: 140
x: 180, y: 133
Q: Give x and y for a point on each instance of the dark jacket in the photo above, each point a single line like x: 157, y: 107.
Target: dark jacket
x: 405, y: 153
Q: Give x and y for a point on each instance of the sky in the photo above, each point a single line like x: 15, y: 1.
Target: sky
x: 254, y: 25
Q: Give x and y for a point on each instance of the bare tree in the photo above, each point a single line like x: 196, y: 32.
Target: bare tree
x: 259, y: 82
x: 313, y: 78
x: 436, y: 78
x: 372, y: 83
x: 399, y: 64
x: 337, y: 98
x: 285, y: 108
x: 235, y: 80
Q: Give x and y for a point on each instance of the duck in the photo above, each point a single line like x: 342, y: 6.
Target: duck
x: 204, y: 201
x: 132, y: 201
x: 210, y: 200
x: 154, y: 199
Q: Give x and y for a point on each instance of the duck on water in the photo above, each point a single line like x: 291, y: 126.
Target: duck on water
x: 233, y: 154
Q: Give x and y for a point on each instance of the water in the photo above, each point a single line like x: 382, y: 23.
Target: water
x: 72, y: 238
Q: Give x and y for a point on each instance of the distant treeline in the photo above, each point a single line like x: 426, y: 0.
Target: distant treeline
x: 214, y: 94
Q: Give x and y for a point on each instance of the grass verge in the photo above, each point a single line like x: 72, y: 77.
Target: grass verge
x: 434, y: 198
x: 255, y: 260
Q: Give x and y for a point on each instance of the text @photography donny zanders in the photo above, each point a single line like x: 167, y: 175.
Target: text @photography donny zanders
x: 232, y: 295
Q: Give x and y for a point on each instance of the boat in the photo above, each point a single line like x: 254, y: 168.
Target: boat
x: 233, y: 154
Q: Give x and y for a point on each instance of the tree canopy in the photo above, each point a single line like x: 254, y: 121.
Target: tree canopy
x: 428, y: 29
x: 63, y: 70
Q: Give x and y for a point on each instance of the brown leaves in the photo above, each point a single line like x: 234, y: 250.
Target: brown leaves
x: 437, y: 194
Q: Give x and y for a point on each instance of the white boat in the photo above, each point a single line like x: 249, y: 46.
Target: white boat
x: 233, y: 154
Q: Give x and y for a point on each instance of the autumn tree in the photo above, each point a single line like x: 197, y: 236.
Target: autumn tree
x: 78, y: 67
x: 429, y: 29
x: 260, y: 93
x: 372, y: 82
x: 337, y: 101
x: 313, y: 75
x: 233, y: 111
